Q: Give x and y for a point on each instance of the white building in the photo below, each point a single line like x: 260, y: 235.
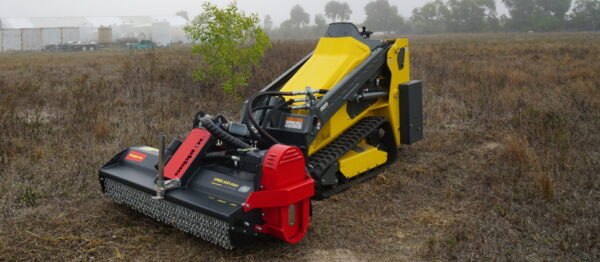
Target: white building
x: 22, y: 34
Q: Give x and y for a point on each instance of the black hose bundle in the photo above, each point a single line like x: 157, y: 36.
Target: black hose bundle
x: 250, y: 115
x: 219, y: 154
x: 250, y: 111
x: 221, y: 134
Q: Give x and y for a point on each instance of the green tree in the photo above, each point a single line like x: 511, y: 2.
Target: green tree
x: 320, y: 20
x: 337, y: 11
x: 298, y: 17
x: 472, y: 15
x: 295, y: 27
x: 537, y: 15
x: 383, y: 17
x: 585, y: 15
x: 521, y: 13
x: 229, y: 42
x: 555, y: 8
x: 432, y: 17
x: 320, y: 25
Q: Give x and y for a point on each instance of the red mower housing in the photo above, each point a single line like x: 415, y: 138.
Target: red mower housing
x: 284, y: 195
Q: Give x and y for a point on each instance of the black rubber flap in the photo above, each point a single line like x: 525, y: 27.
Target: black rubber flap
x: 411, y: 112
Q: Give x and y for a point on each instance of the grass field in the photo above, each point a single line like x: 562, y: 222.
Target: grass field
x: 508, y: 170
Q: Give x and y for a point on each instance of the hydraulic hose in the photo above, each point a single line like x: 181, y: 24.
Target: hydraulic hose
x: 291, y: 101
x: 250, y: 111
x: 219, y: 154
x: 267, y: 118
x: 250, y: 115
x: 221, y: 134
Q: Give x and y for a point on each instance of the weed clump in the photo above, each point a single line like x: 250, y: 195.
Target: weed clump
x: 28, y: 197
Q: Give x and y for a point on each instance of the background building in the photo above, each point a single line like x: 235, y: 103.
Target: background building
x: 24, y: 34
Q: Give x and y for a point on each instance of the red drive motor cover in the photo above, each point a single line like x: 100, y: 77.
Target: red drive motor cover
x: 285, y: 194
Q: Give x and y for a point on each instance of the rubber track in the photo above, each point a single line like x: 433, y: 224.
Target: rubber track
x: 325, y: 157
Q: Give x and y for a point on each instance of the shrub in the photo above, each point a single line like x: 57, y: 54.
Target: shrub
x: 230, y: 44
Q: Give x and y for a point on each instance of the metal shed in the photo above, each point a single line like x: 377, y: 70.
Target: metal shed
x: 11, y: 40
x: 70, y: 34
x: 30, y: 34
x: 18, y: 34
x: 51, y: 36
x: 31, y: 39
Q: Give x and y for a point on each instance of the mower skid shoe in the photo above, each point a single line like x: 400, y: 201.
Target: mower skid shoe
x: 210, y: 213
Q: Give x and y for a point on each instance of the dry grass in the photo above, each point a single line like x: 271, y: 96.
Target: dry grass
x: 508, y: 170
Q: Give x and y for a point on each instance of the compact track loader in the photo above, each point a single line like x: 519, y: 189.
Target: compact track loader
x: 333, y: 119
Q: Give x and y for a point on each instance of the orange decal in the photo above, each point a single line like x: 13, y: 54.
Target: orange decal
x: 293, y: 122
x: 136, y: 156
x: 297, y: 119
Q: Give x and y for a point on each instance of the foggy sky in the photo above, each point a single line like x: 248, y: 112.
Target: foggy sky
x: 278, y: 9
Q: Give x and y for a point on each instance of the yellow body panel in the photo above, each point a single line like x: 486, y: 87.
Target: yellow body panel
x: 388, y: 108
x: 332, y: 60
x: 354, y: 163
x: 399, y: 76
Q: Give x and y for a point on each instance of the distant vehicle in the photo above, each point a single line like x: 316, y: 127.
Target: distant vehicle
x: 74, y: 46
x: 144, y: 44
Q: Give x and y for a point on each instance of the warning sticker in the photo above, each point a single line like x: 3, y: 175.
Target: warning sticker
x: 136, y: 156
x: 294, y: 122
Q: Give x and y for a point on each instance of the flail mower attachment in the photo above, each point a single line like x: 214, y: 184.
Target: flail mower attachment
x: 206, y: 191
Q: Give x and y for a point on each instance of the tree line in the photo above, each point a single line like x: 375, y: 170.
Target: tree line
x: 449, y: 16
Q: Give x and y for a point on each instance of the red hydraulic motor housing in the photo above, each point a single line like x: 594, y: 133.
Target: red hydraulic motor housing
x: 285, y: 194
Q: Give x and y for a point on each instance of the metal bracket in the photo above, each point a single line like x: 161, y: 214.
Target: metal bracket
x: 160, y: 185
